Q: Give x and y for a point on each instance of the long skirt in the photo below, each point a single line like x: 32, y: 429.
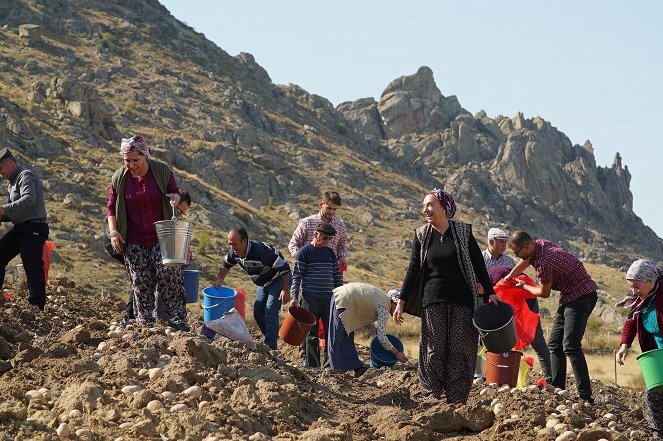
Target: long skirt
x: 148, y: 274
x: 447, y: 351
x: 341, y: 349
x: 654, y: 411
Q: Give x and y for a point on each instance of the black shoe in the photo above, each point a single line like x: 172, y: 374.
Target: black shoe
x: 179, y: 324
x: 360, y: 371
x: 125, y: 321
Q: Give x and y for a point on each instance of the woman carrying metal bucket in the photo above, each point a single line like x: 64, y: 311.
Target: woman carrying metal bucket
x: 442, y: 287
x: 645, y: 320
x: 143, y: 192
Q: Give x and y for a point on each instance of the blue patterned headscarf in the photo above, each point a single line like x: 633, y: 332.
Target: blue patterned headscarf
x: 446, y: 200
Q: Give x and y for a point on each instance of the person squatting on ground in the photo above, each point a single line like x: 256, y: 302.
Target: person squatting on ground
x: 558, y: 269
x: 268, y: 270
x: 315, y: 275
x: 142, y: 192
x: 442, y: 287
x: 645, y: 320
x: 355, y: 306
x: 26, y: 209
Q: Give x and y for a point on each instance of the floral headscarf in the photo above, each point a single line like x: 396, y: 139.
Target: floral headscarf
x: 643, y: 270
x: 135, y: 144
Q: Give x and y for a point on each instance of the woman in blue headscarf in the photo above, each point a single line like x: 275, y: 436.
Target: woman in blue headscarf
x: 645, y: 320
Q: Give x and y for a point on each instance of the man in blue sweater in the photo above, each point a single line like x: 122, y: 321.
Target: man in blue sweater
x: 316, y: 274
x: 267, y: 268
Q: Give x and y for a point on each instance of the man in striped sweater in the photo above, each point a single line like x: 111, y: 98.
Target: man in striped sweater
x: 315, y: 275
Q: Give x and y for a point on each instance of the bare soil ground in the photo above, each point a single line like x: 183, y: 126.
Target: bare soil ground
x: 68, y: 368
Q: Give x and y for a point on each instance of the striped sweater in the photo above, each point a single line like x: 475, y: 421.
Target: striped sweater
x: 316, y: 273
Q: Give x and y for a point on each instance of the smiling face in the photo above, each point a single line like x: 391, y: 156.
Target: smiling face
x: 433, y: 210
x: 238, y: 244
x: 328, y: 210
x: 136, y: 163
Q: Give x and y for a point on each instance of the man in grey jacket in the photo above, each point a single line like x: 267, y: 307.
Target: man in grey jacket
x: 27, y: 211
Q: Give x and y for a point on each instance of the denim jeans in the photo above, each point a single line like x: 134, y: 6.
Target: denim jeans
x: 566, y: 341
x: 266, y: 311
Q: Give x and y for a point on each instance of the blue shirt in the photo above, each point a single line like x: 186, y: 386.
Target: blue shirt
x: 263, y: 263
x: 650, y: 324
x: 316, y: 272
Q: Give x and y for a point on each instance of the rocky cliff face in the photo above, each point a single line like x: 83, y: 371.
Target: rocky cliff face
x: 259, y: 154
x: 523, y: 173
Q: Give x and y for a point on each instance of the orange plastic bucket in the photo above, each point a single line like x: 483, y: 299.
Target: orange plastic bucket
x: 503, y: 368
x: 297, y: 324
x: 46, y: 257
x: 240, y: 302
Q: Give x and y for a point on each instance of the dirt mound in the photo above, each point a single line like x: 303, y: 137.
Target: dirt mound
x: 70, y: 370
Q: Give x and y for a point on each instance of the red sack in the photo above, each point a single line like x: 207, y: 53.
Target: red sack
x: 526, y: 321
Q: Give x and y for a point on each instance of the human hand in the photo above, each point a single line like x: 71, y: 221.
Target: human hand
x: 494, y: 299
x: 401, y: 357
x: 519, y: 284
x: 620, y: 356
x: 480, y: 289
x: 174, y: 199
x: 284, y: 297
x: 398, y: 313
x: 294, y: 302
x: 218, y: 283
x: 117, y: 241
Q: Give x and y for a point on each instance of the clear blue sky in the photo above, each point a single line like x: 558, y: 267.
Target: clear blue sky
x: 594, y: 69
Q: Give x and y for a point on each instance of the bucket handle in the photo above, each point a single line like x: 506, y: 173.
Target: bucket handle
x: 213, y: 306
x: 501, y: 366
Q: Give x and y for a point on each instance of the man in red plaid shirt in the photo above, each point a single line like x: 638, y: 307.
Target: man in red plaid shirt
x: 557, y: 269
x: 331, y: 201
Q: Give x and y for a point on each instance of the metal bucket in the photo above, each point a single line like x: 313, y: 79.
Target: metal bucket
x: 174, y: 240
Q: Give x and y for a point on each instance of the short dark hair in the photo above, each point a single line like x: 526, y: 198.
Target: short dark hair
x: 520, y: 238
x: 241, y: 231
x: 185, y: 197
x: 331, y: 196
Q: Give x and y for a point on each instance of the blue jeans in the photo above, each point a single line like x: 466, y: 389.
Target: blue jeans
x: 266, y: 311
x: 566, y: 341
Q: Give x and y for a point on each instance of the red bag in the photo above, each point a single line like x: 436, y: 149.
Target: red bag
x: 526, y: 321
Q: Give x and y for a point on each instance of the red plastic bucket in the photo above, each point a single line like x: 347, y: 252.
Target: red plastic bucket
x: 502, y: 368
x: 297, y: 324
x: 240, y: 302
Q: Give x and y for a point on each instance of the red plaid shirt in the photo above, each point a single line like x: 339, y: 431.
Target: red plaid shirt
x: 304, y: 234
x: 563, y: 270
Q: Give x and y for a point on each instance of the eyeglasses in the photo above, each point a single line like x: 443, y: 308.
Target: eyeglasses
x: 519, y: 250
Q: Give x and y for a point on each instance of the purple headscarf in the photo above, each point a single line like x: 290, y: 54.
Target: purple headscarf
x: 135, y: 144
x: 446, y: 200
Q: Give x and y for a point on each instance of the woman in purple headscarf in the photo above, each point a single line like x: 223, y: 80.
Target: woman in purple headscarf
x: 645, y: 320
x: 143, y: 192
x: 443, y: 286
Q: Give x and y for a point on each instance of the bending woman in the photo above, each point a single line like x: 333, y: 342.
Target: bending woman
x: 355, y: 306
x: 442, y: 287
x: 646, y: 321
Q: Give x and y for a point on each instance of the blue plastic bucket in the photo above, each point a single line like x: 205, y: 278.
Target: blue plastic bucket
x: 217, y: 301
x: 382, y: 357
x: 191, y: 280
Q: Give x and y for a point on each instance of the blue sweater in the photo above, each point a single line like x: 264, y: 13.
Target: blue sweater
x: 316, y: 272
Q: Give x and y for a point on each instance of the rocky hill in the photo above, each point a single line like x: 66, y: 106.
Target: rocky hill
x: 257, y: 153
